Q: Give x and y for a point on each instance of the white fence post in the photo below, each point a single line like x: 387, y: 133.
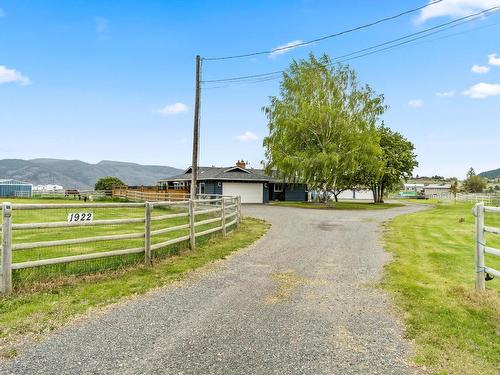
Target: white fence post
x: 192, y: 233
x: 148, y: 209
x: 479, y: 256
x: 6, y: 248
x: 223, y: 216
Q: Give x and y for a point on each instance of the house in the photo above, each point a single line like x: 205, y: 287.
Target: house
x: 252, y: 185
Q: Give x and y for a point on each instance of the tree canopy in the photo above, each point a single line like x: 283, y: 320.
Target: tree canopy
x: 322, y: 127
x: 108, y: 183
x: 474, y: 183
x: 396, y: 163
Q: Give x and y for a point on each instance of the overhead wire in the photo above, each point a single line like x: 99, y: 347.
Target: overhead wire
x: 262, y: 77
x: 357, y: 28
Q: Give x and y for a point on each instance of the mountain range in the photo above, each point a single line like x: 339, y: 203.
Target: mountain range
x: 494, y: 173
x: 81, y: 175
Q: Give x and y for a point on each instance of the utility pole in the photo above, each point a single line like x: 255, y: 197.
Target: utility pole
x: 196, y: 128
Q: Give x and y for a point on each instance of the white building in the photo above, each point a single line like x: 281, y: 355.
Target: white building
x: 49, y: 188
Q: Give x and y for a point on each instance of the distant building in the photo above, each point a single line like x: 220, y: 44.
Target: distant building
x: 362, y: 194
x: 434, y: 190
x: 15, y: 188
x: 49, y: 188
x: 414, y: 187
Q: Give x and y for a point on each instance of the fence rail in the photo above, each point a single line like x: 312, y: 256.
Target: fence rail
x: 490, y: 199
x: 204, y: 216
x: 152, y: 195
x: 481, y: 269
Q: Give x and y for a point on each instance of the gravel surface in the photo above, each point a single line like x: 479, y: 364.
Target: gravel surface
x: 299, y: 301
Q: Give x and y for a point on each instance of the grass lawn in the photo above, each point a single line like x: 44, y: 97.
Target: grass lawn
x: 456, y: 330
x: 342, y: 205
x: 47, y: 307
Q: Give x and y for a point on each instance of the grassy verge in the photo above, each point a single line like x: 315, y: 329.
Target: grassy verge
x: 51, y: 305
x: 456, y: 330
x: 343, y: 205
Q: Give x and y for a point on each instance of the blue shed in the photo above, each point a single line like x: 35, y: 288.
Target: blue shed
x: 15, y: 188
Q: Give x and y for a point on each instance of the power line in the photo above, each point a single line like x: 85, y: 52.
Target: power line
x: 427, y: 32
x: 326, y: 36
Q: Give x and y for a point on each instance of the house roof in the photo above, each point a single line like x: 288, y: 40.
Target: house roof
x: 223, y: 173
x: 10, y: 181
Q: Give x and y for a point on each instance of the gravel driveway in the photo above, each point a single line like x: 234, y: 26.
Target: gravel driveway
x: 299, y: 301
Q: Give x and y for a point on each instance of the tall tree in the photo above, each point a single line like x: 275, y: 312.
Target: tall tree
x: 396, y: 164
x: 474, y: 183
x: 322, y: 127
x: 108, y: 183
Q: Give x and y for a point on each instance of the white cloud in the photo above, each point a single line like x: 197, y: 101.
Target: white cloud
x: 101, y: 24
x: 455, y: 8
x: 483, y: 90
x: 446, y: 94
x: 493, y: 59
x: 12, y: 75
x: 247, y: 136
x: 280, y: 50
x: 173, y: 109
x: 480, y: 69
x: 415, y: 103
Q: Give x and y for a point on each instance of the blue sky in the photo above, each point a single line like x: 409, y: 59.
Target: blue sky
x: 94, y: 80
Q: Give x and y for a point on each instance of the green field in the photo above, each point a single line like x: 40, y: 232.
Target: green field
x: 83, y: 267
x: 455, y: 329
x: 342, y: 205
x: 46, y: 307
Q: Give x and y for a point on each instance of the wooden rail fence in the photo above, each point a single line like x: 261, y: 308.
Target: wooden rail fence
x: 151, y: 195
x: 223, y: 210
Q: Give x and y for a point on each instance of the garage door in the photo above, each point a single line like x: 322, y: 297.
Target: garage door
x: 249, y: 192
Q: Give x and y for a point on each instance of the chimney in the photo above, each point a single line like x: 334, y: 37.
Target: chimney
x: 241, y: 164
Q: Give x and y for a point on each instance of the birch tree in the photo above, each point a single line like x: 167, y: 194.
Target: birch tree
x: 322, y: 126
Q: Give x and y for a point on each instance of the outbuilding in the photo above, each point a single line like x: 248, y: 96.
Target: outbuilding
x: 15, y: 188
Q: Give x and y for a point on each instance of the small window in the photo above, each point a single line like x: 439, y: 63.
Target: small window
x: 202, y: 188
x: 278, y: 188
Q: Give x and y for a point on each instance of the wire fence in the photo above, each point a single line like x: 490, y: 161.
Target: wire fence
x: 44, y: 241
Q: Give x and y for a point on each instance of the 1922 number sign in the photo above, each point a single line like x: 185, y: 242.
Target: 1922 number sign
x: 80, y: 216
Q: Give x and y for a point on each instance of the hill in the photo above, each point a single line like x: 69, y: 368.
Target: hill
x: 81, y: 175
x: 494, y: 173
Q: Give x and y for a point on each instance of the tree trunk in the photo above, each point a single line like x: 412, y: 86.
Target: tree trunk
x: 325, y: 195
x: 382, y: 189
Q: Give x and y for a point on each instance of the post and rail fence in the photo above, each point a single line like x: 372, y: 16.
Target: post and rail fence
x: 121, y: 229
x: 482, y: 271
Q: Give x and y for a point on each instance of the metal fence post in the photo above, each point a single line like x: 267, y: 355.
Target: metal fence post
x: 148, y: 209
x: 223, y: 216
x: 479, y: 256
x: 192, y: 233
x: 6, y: 248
